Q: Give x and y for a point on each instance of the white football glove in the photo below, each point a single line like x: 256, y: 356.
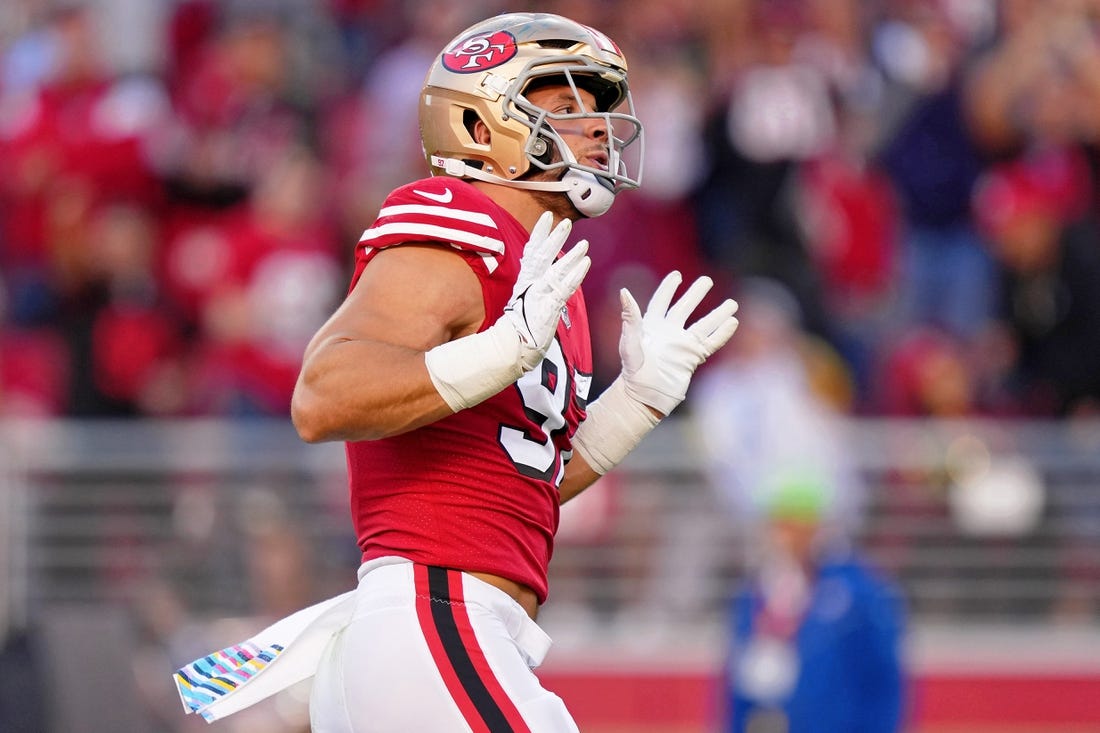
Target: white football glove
x: 659, y: 356
x: 658, y: 352
x: 471, y: 369
x: 544, y: 285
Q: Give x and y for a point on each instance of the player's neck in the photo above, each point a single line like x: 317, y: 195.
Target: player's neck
x: 524, y: 205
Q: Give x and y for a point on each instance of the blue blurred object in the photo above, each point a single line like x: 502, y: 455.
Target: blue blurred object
x: 824, y: 658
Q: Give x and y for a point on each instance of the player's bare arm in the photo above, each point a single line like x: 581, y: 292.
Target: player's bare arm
x: 579, y: 475
x: 363, y: 375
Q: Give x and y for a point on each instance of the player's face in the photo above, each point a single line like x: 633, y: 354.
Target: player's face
x: 586, y: 137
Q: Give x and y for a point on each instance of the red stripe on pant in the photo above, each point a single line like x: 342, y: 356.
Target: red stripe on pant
x: 477, y: 692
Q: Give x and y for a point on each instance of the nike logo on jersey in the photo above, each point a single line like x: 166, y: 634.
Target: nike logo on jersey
x: 443, y: 198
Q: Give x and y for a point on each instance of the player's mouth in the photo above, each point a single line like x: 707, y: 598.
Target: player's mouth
x: 598, y: 160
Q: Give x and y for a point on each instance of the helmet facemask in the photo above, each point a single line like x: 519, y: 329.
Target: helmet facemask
x: 608, y: 86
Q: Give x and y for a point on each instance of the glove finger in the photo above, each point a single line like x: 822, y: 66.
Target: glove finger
x: 706, y: 325
x: 542, y: 227
x: 577, y: 273
x: 568, y: 260
x: 550, y: 248
x: 689, y: 301
x: 662, y: 296
x: 541, y: 249
x: 567, y: 273
x: 720, y: 335
x: 556, y: 238
x: 536, y: 246
x: 632, y: 314
x: 630, y: 343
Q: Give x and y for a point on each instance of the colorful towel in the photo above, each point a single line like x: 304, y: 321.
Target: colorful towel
x: 283, y: 654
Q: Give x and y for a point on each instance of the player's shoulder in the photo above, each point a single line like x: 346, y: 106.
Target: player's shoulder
x: 445, y: 210
x: 452, y: 193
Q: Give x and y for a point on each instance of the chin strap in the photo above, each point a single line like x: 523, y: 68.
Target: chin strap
x: 588, y: 192
x: 585, y: 190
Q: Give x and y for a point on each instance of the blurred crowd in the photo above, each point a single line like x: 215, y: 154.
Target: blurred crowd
x: 182, y: 184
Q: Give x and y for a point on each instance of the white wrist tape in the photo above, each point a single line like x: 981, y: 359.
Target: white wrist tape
x: 615, y: 424
x: 473, y: 368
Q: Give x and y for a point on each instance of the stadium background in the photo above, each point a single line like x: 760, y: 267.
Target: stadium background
x: 181, y: 185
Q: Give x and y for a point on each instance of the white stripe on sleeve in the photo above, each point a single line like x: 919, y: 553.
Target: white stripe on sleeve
x: 474, y: 217
x: 437, y: 232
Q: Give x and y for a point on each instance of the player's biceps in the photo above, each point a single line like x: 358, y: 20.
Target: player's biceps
x: 420, y: 291
x: 398, y: 320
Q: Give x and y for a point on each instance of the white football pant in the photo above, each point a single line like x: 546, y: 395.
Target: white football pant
x: 431, y: 650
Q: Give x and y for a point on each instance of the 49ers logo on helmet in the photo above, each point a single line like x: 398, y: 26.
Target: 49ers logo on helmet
x: 480, y: 52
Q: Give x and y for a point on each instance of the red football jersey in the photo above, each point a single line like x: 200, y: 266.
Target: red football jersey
x: 478, y: 490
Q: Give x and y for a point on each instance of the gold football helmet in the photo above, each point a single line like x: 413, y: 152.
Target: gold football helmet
x: 483, y: 75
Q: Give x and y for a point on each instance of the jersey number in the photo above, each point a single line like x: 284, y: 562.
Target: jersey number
x: 544, y: 392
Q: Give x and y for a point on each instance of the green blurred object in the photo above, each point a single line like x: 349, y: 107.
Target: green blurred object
x: 799, y: 495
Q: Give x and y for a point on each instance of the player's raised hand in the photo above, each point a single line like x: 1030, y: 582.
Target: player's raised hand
x: 659, y: 351
x: 544, y: 283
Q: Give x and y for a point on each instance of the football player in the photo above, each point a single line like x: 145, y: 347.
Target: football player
x: 458, y: 368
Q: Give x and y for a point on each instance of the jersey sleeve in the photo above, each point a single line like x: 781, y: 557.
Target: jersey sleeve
x: 447, y: 211
x: 450, y: 213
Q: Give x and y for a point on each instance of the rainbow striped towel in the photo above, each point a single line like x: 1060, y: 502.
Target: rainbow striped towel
x: 283, y: 654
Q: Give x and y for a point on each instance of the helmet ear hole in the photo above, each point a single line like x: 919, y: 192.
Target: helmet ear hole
x: 470, y: 118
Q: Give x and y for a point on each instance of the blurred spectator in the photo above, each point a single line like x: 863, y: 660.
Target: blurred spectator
x: 1032, y: 100
x: 770, y: 404
x: 276, y: 275
x: 928, y: 372
x: 760, y: 409
x: 34, y: 368
x: 34, y: 371
x: 235, y: 111
x: 71, y: 136
x: 816, y: 633
x: 125, y: 344
x: 947, y: 275
x: 925, y: 374
x: 852, y: 224
x: 1038, y: 84
x: 1050, y: 272
x: 777, y: 113
x: 770, y: 401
